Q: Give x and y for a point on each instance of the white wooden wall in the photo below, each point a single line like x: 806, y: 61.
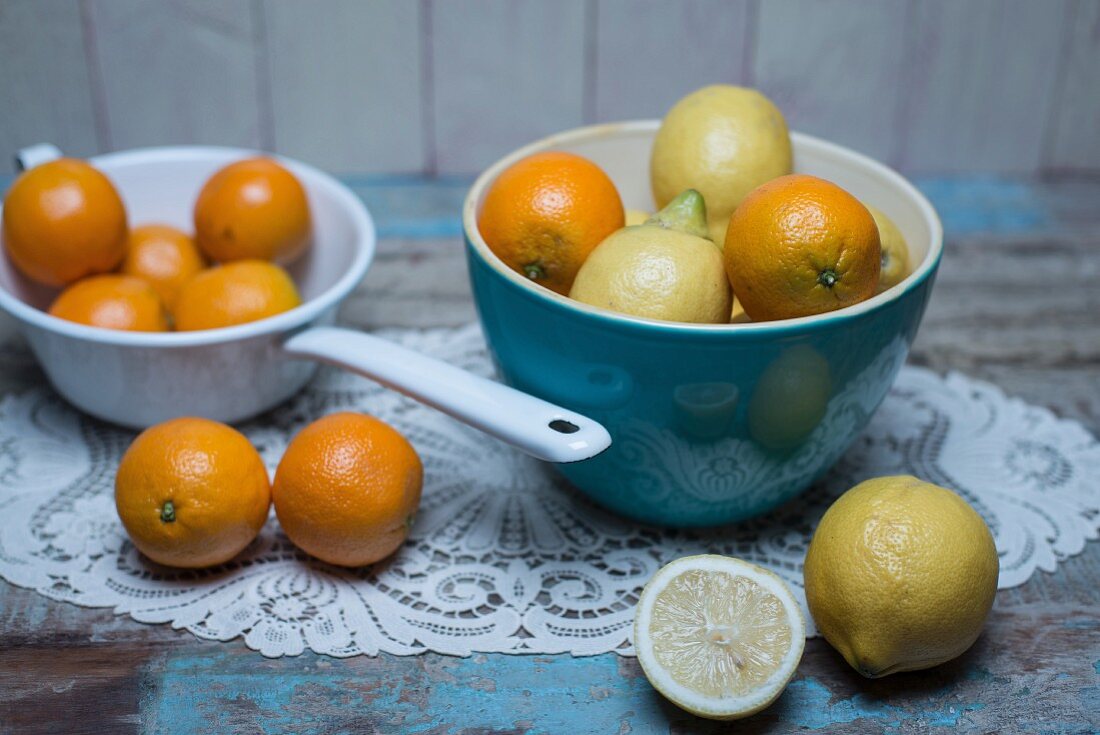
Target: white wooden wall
x: 446, y: 86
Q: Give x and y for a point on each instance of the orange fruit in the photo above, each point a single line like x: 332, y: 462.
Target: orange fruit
x: 800, y: 245
x: 164, y: 257
x: 64, y: 220
x: 112, y: 302
x: 347, y: 488
x: 544, y: 214
x: 253, y: 208
x: 192, y: 492
x: 235, y: 293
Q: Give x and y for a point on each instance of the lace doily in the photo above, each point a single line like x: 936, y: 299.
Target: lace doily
x: 504, y: 556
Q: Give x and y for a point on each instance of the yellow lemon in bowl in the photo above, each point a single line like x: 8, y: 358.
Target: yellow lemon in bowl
x: 894, y: 249
x: 900, y: 575
x: 663, y: 269
x: 723, y: 141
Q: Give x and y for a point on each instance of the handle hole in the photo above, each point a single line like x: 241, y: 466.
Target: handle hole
x: 564, y: 427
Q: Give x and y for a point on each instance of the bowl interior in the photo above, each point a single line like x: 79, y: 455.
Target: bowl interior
x: 160, y: 185
x: 623, y: 149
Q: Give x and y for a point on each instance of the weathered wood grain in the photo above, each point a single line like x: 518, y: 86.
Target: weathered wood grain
x: 180, y: 72
x: 1071, y: 202
x: 987, y: 70
x: 86, y: 689
x: 1074, y: 142
x: 346, y: 84
x: 834, y: 71
x: 503, y: 74
x: 413, y: 283
x: 650, y: 53
x: 45, y: 82
x: 1020, y: 313
x: 1026, y: 674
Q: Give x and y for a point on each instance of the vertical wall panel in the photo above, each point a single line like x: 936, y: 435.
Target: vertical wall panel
x: 45, y: 88
x: 179, y: 72
x: 1075, y: 140
x: 989, y: 74
x: 503, y: 73
x: 346, y: 83
x: 649, y: 53
x: 833, y: 68
x: 415, y: 86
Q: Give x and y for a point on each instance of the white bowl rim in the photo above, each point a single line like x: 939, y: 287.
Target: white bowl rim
x: 928, y: 212
x: 360, y: 217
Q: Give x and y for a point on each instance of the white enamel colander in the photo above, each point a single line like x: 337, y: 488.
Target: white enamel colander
x: 138, y: 379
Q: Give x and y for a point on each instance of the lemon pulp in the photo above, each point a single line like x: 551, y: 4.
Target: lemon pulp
x: 718, y: 636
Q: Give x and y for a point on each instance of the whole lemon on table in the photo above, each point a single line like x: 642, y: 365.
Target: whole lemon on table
x: 895, y: 251
x: 347, y: 489
x: 900, y: 575
x: 723, y: 141
x: 63, y: 221
x: 192, y: 492
x: 235, y: 293
x: 253, y: 209
x: 112, y: 302
x: 164, y: 257
x: 545, y: 213
x: 664, y: 269
x: 800, y: 245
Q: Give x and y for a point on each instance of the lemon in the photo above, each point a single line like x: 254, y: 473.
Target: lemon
x: 900, y: 575
x: 737, y: 312
x: 664, y: 269
x: 723, y: 141
x: 717, y: 636
x: 635, y: 217
x: 895, y: 252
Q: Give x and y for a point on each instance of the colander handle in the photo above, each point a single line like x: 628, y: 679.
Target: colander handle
x: 539, y: 428
x: 35, y: 155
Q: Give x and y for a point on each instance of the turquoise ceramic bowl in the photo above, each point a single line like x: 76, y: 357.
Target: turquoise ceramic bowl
x: 710, y: 423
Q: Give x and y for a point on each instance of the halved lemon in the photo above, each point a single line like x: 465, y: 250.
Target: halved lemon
x: 717, y: 636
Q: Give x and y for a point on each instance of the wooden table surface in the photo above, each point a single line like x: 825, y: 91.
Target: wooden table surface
x: 1016, y: 303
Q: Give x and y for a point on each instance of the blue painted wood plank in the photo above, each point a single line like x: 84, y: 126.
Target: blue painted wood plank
x: 211, y: 687
x: 529, y: 694
x: 426, y: 209
x: 418, y: 208
x: 991, y: 205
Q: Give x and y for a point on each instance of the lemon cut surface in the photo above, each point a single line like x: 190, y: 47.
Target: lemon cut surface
x: 717, y: 636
